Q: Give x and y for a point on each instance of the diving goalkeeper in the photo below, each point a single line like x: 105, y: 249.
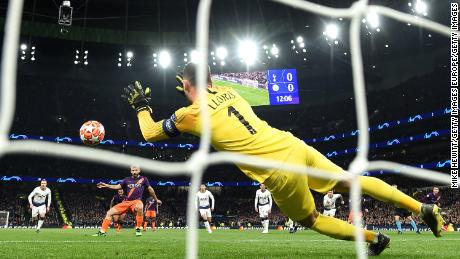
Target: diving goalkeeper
x: 236, y: 128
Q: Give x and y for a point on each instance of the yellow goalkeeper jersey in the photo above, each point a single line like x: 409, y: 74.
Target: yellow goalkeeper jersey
x: 234, y: 128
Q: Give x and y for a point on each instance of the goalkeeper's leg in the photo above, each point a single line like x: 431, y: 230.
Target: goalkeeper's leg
x: 292, y: 195
x: 373, y: 187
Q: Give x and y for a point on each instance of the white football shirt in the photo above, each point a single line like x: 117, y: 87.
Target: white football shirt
x: 263, y: 198
x: 329, y: 203
x: 38, y: 197
x: 202, y: 200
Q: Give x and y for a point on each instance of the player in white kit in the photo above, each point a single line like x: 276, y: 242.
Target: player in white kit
x: 263, y: 205
x: 202, y: 203
x: 329, y: 202
x: 39, y: 202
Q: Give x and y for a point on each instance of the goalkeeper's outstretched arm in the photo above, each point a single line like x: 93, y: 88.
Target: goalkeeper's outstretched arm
x: 151, y: 130
x: 139, y: 101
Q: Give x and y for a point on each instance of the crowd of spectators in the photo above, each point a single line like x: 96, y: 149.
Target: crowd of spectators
x: 259, y: 76
x: 85, y: 206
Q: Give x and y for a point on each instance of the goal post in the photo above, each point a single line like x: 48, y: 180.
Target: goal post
x: 4, y: 217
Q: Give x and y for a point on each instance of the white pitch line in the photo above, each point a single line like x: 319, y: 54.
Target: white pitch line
x: 322, y: 240
x: 59, y: 241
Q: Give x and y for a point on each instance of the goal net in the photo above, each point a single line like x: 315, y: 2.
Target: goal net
x: 202, y: 158
x: 4, y: 217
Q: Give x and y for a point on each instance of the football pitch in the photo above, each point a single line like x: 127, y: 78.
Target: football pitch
x: 254, y: 96
x: 78, y: 243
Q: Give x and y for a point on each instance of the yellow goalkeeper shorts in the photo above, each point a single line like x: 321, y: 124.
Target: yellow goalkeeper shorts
x: 291, y: 191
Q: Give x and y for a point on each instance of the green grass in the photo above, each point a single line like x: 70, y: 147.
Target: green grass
x: 77, y: 243
x: 254, y: 96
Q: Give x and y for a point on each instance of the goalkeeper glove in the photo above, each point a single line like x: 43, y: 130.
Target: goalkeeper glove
x: 180, y: 83
x: 136, y: 97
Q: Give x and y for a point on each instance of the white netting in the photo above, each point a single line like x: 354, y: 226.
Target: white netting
x: 194, y: 167
x: 4, y: 217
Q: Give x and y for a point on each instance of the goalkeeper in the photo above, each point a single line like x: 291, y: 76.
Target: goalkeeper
x: 236, y: 128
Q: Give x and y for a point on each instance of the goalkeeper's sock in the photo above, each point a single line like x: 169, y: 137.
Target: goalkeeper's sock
x: 382, y: 191
x: 40, y: 223
x: 414, y: 226
x: 105, y: 225
x: 339, y: 229
x: 139, y: 220
x: 398, y: 225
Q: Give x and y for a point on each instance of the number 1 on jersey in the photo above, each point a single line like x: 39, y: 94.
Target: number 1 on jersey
x: 240, y: 117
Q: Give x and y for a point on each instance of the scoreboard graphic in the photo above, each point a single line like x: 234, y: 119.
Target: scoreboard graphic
x: 266, y: 87
x: 282, y: 86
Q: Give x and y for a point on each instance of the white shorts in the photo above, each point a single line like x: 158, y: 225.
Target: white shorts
x: 38, y: 210
x: 263, y: 210
x: 330, y: 212
x: 206, y: 212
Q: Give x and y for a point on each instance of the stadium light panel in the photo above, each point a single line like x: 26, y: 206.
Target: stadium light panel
x: 421, y: 7
x: 129, y: 54
x: 221, y: 53
x: 373, y: 20
x: 165, y: 59
x: 194, y: 56
x: 23, y: 46
x: 299, y: 39
x: 274, y: 51
x: 248, y: 52
x: 332, y: 31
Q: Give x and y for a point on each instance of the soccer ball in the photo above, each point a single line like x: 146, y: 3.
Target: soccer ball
x: 92, y: 133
